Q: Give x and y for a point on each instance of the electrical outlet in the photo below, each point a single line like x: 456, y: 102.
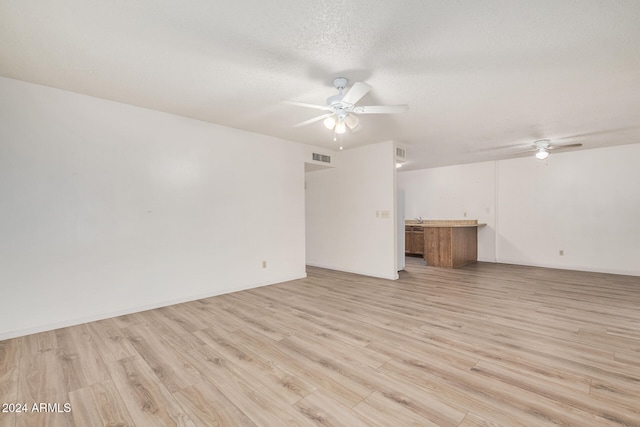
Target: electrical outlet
x: 465, y: 214
x: 561, y: 252
x: 264, y: 264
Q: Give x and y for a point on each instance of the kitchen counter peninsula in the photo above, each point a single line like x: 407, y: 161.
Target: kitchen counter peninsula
x: 449, y: 243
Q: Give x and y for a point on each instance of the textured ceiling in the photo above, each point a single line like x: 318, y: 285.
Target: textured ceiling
x: 482, y: 78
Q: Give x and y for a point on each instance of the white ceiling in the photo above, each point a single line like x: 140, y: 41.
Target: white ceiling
x: 482, y: 78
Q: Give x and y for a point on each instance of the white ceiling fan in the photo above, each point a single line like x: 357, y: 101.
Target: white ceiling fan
x: 342, y: 111
x: 542, y: 147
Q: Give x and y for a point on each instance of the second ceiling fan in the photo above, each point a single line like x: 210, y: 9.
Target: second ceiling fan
x: 342, y: 111
x: 542, y: 146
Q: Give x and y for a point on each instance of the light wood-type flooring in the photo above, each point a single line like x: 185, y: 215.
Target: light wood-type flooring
x: 484, y: 345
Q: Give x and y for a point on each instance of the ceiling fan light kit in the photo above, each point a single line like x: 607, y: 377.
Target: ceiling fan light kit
x: 542, y: 154
x: 542, y: 146
x: 342, y: 111
x: 329, y: 123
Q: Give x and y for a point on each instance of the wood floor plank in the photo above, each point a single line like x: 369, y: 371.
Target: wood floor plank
x: 556, y: 393
x: 40, y: 342
x: 558, y: 355
x: 207, y: 406
x: 483, y: 401
x: 8, y: 419
x: 378, y: 410
x: 281, y: 381
x: 490, y: 345
x: 128, y: 319
x: 292, y: 319
x: 81, y: 361
x: 172, y: 332
x: 251, y: 317
x: 617, y: 394
x: 251, y: 397
x: 99, y: 405
x: 184, y: 315
x: 109, y: 340
x: 325, y: 411
x: 147, y: 400
x: 10, y: 353
x: 325, y: 339
x: 544, y: 408
x: 333, y: 383
x: 168, y: 365
x: 42, y: 380
x: 473, y: 420
x: 218, y: 318
x: 427, y: 405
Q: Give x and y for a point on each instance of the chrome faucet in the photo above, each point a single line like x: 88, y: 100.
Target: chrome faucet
x: 419, y: 219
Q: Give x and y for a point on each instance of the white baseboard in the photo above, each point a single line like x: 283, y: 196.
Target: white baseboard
x: 348, y: 270
x: 5, y: 335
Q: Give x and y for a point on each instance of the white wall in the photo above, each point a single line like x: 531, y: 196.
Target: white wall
x: 585, y: 202
x: 107, y: 208
x: 343, y: 231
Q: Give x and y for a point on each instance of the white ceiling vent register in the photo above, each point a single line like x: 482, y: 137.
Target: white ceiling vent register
x: 401, y: 156
x: 321, y: 158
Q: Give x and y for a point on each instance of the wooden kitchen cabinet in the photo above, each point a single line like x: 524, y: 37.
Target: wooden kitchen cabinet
x: 407, y: 240
x: 450, y: 247
x: 414, y: 240
x: 443, y: 243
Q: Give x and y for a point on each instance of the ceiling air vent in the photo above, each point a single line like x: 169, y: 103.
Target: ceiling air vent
x: 400, y: 153
x: 321, y: 158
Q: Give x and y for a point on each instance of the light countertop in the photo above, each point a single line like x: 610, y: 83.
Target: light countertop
x: 434, y: 223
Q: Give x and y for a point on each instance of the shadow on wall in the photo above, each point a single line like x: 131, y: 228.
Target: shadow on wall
x: 487, y: 243
x: 508, y: 253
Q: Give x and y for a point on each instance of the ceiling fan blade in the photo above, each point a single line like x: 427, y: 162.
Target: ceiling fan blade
x: 559, y: 147
x: 352, y: 121
x: 357, y: 91
x: 381, y: 109
x: 597, y: 133
x: 515, y: 153
x: 315, y: 119
x: 304, y: 104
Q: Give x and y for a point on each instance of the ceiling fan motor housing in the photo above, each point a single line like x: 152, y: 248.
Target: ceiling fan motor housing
x: 542, y: 143
x: 336, y: 100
